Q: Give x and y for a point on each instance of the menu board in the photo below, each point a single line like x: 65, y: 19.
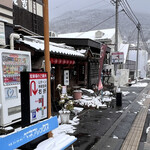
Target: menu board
x: 12, y: 65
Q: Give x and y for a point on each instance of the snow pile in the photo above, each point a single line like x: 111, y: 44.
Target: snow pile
x: 139, y: 84
x: 141, y: 101
x: 94, y: 102
x: 77, y: 110
x: 124, y: 93
x: 60, y: 136
x: 147, y: 130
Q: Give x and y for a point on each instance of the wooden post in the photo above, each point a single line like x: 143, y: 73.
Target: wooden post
x: 47, y: 55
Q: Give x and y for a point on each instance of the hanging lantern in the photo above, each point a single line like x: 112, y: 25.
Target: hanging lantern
x: 55, y: 60
x: 63, y: 61
x: 73, y: 62
x: 67, y: 61
x: 59, y: 61
x: 52, y: 60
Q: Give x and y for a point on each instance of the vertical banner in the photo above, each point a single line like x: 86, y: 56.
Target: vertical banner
x: 102, y: 56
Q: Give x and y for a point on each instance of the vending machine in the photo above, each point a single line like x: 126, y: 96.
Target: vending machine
x: 12, y: 62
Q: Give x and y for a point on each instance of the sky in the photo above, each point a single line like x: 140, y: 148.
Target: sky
x: 58, y: 7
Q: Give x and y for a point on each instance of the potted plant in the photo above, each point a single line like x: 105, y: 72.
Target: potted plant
x: 66, y: 105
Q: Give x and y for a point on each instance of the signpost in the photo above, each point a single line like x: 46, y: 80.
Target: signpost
x: 117, y: 57
x: 33, y: 97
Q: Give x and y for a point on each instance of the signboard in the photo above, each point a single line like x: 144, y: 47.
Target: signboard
x: 19, y: 138
x: 2, y: 34
x: 117, y: 57
x: 38, y: 96
x: 33, y: 97
x: 66, y: 77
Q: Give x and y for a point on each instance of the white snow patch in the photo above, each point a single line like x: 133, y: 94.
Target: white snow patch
x: 139, y: 84
x: 147, y: 130
x: 125, y: 93
x: 120, y: 111
x: 115, y: 137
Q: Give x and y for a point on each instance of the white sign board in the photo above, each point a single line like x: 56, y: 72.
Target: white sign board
x: 38, y: 96
x: 117, y: 57
x: 66, y: 77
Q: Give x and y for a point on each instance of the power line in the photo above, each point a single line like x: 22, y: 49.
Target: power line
x: 99, y: 24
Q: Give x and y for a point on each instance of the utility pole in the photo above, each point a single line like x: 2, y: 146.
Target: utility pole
x: 47, y: 56
x: 116, y: 26
x: 137, y: 56
x: 116, y: 3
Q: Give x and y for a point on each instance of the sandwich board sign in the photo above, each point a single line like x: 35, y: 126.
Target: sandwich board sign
x: 33, y: 97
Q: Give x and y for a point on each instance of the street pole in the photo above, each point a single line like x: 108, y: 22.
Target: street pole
x: 137, y: 56
x: 116, y: 32
x: 47, y: 55
x: 116, y: 26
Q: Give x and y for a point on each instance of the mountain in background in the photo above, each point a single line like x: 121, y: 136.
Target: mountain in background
x: 85, y: 20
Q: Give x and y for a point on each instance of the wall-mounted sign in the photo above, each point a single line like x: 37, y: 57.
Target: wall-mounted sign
x: 33, y: 96
x: 117, y: 57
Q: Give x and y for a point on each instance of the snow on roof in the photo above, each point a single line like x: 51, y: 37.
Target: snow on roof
x: 106, y: 34
x: 124, y: 48
x: 55, y: 48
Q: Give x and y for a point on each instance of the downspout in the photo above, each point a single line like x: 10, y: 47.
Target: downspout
x: 12, y: 37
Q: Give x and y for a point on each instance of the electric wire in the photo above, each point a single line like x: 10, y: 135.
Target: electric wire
x: 128, y: 11
x: 99, y: 23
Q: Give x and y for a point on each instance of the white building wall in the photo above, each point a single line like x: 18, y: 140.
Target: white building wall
x: 143, y: 58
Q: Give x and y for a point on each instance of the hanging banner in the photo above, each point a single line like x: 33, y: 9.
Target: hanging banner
x: 102, y: 56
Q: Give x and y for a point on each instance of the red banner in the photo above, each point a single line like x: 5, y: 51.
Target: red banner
x: 102, y: 56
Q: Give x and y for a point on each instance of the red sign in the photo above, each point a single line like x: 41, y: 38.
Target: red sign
x: 102, y: 56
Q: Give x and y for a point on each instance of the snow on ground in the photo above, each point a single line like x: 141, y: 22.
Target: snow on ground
x: 139, y: 84
x: 115, y: 137
x: 147, y: 130
x: 94, y: 102
x: 124, y: 93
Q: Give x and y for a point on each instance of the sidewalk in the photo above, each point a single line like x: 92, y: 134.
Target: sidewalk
x: 107, y: 129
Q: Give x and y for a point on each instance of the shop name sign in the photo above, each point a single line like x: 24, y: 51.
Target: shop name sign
x: 117, y: 57
x: 17, y: 139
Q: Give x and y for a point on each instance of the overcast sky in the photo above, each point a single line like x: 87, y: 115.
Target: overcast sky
x: 58, y: 7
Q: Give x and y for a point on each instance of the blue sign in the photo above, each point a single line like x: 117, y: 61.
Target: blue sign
x: 17, y: 139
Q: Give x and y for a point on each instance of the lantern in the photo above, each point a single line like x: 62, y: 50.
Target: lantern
x: 59, y: 61
x: 52, y: 60
x: 73, y: 62
x: 67, y: 61
x: 63, y: 61
x: 55, y: 60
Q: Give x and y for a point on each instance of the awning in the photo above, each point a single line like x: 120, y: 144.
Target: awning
x: 60, y: 49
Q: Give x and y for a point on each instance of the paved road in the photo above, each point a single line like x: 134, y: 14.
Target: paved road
x: 107, y: 129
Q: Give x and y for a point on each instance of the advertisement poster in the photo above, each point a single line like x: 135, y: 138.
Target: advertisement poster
x: 38, y: 96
